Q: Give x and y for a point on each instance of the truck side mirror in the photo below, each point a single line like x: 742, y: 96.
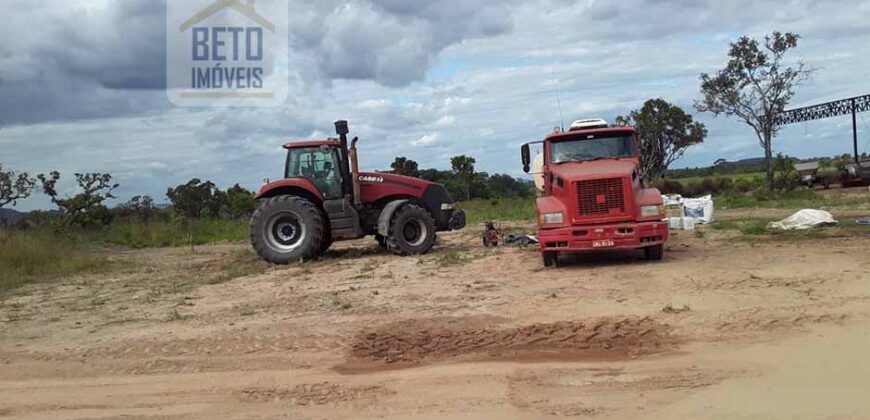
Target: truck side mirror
x: 527, y: 158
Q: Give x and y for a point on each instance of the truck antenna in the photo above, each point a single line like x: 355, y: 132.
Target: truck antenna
x: 559, y: 102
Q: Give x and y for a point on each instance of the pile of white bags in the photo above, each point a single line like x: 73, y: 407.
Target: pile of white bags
x: 684, y: 213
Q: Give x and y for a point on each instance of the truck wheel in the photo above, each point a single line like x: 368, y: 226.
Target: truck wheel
x: 654, y: 253
x: 551, y: 259
x: 412, y: 231
x: 286, y: 229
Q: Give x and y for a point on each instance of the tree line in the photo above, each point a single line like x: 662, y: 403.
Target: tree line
x: 86, y: 208
x: 463, y: 182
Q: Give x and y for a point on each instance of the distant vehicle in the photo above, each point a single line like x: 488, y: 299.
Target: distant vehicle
x: 593, y: 196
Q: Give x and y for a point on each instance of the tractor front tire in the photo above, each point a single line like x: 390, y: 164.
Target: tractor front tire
x: 287, y: 229
x: 412, y: 231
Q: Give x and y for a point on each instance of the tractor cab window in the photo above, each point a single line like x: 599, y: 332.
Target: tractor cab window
x: 586, y: 149
x: 320, y: 165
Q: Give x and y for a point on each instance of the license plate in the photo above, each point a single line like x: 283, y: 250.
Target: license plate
x: 603, y: 244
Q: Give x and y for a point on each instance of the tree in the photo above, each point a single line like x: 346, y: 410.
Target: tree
x: 14, y: 187
x: 787, y: 177
x: 506, y: 186
x: 756, y: 86
x: 463, y: 167
x: 405, y: 166
x: 665, y: 132
x: 239, y: 202
x: 140, y: 206
x: 85, y: 209
x: 196, y: 199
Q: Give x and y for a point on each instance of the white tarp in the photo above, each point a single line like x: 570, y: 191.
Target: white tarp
x: 701, y: 209
x: 805, y: 219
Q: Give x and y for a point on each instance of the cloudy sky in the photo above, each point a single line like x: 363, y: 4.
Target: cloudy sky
x: 81, y: 82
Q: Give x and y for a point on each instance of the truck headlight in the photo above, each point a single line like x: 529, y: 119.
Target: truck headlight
x: 652, y: 211
x: 552, y: 218
x: 448, y: 206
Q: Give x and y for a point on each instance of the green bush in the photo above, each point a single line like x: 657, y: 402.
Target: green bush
x: 478, y: 211
x: 156, y: 234
x: 41, y: 255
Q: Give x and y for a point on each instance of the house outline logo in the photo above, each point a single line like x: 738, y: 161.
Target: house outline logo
x: 268, y: 85
x: 246, y: 9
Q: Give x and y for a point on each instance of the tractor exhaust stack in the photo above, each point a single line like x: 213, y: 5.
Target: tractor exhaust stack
x: 354, y: 168
x: 341, y: 129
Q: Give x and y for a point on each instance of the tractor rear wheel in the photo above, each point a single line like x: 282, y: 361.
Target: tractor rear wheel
x: 412, y: 231
x: 286, y: 229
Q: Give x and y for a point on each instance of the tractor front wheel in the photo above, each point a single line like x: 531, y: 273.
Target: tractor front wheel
x: 412, y: 231
x: 286, y: 229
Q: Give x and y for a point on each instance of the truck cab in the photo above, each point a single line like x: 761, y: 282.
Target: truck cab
x: 592, y: 196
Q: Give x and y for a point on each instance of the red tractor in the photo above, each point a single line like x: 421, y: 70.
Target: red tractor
x: 593, y: 197
x: 324, y: 198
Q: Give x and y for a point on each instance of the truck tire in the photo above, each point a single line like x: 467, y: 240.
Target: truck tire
x: 551, y: 259
x: 654, y: 253
x: 286, y: 229
x: 412, y: 231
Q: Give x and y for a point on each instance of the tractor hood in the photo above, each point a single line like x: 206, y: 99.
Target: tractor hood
x: 605, y: 168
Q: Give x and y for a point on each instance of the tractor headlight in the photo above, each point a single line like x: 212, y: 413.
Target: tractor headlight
x: 448, y: 206
x: 652, y: 211
x: 552, y: 218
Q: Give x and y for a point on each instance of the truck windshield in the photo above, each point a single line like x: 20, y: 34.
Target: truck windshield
x: 591, y: 149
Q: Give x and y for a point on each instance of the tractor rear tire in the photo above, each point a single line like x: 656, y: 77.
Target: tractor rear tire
x: 412, y: 231
x: 287, y: 229
x: 654, y: 253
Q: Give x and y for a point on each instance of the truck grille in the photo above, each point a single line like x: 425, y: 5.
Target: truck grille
x: 600, y: 197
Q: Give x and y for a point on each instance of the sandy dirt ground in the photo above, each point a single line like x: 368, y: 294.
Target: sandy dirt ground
x: 724, y: 328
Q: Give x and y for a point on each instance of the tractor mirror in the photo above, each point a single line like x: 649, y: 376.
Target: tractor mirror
x: 527, y: 158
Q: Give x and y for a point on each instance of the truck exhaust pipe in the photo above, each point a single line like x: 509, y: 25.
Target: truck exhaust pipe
x: 354, y: 170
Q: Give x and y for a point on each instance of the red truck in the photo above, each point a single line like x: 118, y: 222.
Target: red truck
x: 593, y: 197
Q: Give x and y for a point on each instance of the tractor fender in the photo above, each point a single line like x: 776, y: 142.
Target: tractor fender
x: 387, y: 215
x: 298, y: 186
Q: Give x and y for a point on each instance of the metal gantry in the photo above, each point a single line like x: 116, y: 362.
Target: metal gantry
x: 828, y: 110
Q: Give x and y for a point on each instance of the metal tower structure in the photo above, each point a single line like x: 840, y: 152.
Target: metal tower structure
x: 828, y: 110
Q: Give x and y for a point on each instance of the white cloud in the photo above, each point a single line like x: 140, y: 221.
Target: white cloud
x: 427, y: 140
x: 372, y: 64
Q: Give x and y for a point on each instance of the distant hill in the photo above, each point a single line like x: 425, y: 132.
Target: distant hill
x: 750, y: 161
x: 10, y: 216
x: 743, y: 166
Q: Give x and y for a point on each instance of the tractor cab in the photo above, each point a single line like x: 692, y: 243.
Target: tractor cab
x: 319, y: 162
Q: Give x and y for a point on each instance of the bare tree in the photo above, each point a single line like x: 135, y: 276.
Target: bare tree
x: 86, y: 208
x: 14, y: 187
x: 756, y: 86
